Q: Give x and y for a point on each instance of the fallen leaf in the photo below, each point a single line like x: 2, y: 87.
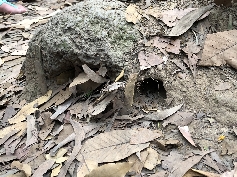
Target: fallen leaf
x: 7, y: 158
x: 111, y: 146
x: 114, y: 86
x: 152, y: 159
x: 81, y: 78
x: 8, y: 135
x: 100, y: 107
x: 179, y: 119
x: 148, y: 60
x: 86, y: 168
x: 187, y: 21
x: 21, y: 127
x: 92, y: 75
x: 119, y: 76
x: 137, y: 164
x: 185, y: 132
x: 111, y: 169
x: 205, y: 173
x: 43, y: 168
x: 163, y: 114
x: 144, y: 136
x: 80, y: 135
x: 207, y: 160
x: 223, y: 86
x: 61, y: 108
x: 29, y: 108
x: 219, y: 49
x: 177, y: 166
x: 129, y: 89
x: 21, y: 166
x: 132, y: 14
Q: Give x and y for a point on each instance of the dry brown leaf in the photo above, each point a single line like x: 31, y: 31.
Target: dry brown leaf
x: 132, y: 14
x: 43, y: 168
x: 152, y: 159
x: 80, y: 135
x: 81, y: 78
x: 211, y: 163
x: 144, y: 136
x: 179, y: 119
x: 149, y: 60
x: 32, y: 133
x: 220, y: 48
x: 29, y: 108
x: 223, y: 86
x: 205, y: 173
x: 7, y: 158
x: 187, y: 21
x: 111, y: 169
x: 119, y: 76
x: 21, y: 166
x: 8, y: 135
x: 111, y: 146
x: 185, y: 132
x: 137, y: 164
x: 129, y: 89
x: 92, y: 75
x: 163, y: 114
x: 114, y: 86
x: 100, y: 107
x: 21, y: 126
x: 86, y: 168
x: 177, y: 166
x: 61, y: 108
x: 48, y: 125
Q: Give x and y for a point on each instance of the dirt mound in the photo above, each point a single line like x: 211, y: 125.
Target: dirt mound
x: 91, y: 32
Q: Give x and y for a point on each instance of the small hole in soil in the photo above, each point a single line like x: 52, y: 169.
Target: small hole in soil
x: 152, y: 87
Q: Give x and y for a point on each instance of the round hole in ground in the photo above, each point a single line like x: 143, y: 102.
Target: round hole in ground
x: 152, y: 88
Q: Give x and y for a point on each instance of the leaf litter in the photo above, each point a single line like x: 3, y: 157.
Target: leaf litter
x: 62, y: 144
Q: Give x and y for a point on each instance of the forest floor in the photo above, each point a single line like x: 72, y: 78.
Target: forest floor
x: 92, y: 134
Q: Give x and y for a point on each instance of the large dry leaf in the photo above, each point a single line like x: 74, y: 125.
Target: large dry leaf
x: 177, y: 166
x: 43, y: 168
x: 185, y: 132
x: 81, y: 78
x: 100, y: 107
x: 61, y: 108
x: 129, y: 89
x: 21, y: 126
x: 29, y: 108
x: 205, y: 173
x: 187, y: 21
x: 92, y: 75
x: 80, y: 135
x: 112, y: 146
x: 21, y: 166
x: 86, y: 168
x: 179, y: 119
x: 111, y: 170
x: 149, y: 60
x: 163, y: 114
x: 220, y: 48
x: 152, y: 159
x: 144, y: 136
x: 132, y: 14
